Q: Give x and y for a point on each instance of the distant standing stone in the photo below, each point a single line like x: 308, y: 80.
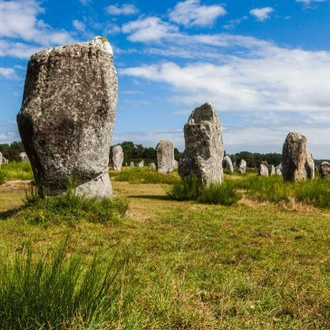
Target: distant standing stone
x: 263, y: 170
x: 294, y: 157
x: 272, y: 170
x: 131, y: 164
x: 165, y: 156
x: 227, y: 163
x: 141, y: 164
x: 242, y: 166
x: 325, y: 170
x: 153, y: 165
x: 278, y: 171
x: 203, y: 152
x: 117, y: 157
x: 67, y: 117
x: 310, y: 165
x: 23, y: 157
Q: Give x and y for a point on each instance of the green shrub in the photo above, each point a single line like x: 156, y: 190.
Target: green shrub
x: 191, y: 188
x: 56, y: 291
x: 69, y: 208
x: 223, y: 194
x: 315, y: 192
x: 16, y: 171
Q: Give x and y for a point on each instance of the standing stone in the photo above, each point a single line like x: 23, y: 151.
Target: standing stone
x: 67, y: 117
x: 153, y: 165
x: 5, y: 160
x: 294, y: 157
x: 325, y: 170
x: 227, y: 163
x: 310, y: 165
x: 203, y: 152
x: 131, y: 164
x: 242, y: 166
x: 278, y: 171
x: 0, y: 159
x: 272, y: 170
x: 23, y: 157
x: 117, y: 157
x: 141, y: 164
x: 263, y: 170
x: 165, y: 156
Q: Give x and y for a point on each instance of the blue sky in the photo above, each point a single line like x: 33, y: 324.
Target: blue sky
x: 264, y: 65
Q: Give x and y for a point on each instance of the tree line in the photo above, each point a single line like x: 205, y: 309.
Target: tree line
x: 136, y: 152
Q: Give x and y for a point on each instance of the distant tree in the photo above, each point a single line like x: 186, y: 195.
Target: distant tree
x: 11, y: 151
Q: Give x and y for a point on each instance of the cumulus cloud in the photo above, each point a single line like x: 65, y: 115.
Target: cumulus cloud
x: 17, y: 49
x: 18, y: 20
x: 192, y: 13
x: 261, y: 13
x: 125, y: 9
x: 262, y: 76
x: 147, y: 29
x: 79, y: 26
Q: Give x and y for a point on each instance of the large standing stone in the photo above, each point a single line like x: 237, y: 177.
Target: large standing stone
x: 117, y: 157
x: 23, y: 157
x: 227, y: 163
x: 272, y: 170
x: 325, y: 170
x: 294, y: 157
x: 165, y: 156
x: 67, y: 117
x: 203, y: 152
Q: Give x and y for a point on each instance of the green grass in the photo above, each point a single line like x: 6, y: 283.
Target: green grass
x: 15, y: 171
x: 250, y: 265
x: 145, y: 175
x: 56, y: 291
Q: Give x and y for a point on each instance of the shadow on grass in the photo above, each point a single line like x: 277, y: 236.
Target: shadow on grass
x: 4, y: 215
x: 158, y: 197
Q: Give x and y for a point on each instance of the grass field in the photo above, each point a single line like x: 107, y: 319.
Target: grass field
x: 177, y: 264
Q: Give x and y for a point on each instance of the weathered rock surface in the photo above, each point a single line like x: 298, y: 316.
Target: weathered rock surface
x: 294, y: 157
x: 203, y: 152
x: 325, y: 170
x: 272, y: 170
x: 117, y: 158
x: 165, y: 156
x: 141, y: 164
x: 67, y: 116
x: 310, y: 165
x: 23, y: 157
x: 278, y: 171
x: 242, y: 166
x: 263, y: 170
x: 227, y: 163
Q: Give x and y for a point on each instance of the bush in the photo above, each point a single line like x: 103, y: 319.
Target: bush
x: 57, y: 292
x: 191, y: 188
x: 69, y: 208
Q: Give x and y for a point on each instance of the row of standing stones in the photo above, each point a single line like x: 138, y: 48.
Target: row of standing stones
x: 68, y: 114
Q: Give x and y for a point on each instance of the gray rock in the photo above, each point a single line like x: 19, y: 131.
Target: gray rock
x: 141, y: 164
x: 263, y: 170
x: 310, y: 165
x: 294, y: 157
x: 165, y: 156
x: 203, y: 152
x: 5, y: 160
x: 153, y: 165
x: 117, y: 157
x: 272, y: 170
x: 325, y: 170
x: 67, y: 117
x: 23, y: 157
x: 131, y: 164
x: 227, y: 163
x: 242, y: 166
x: 278, y: 171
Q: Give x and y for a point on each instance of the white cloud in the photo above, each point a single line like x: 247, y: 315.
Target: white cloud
x: 308, y: 2
x: 125, y: 9
x: 234, y: 22
x: 192, y: 13
x: 264, y: 77
x: 17, y: 49
x: 261, y: 13
x: 18, y: 20
x: 147, y: 29
x: 8, y: 73
x: 79, y: 26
